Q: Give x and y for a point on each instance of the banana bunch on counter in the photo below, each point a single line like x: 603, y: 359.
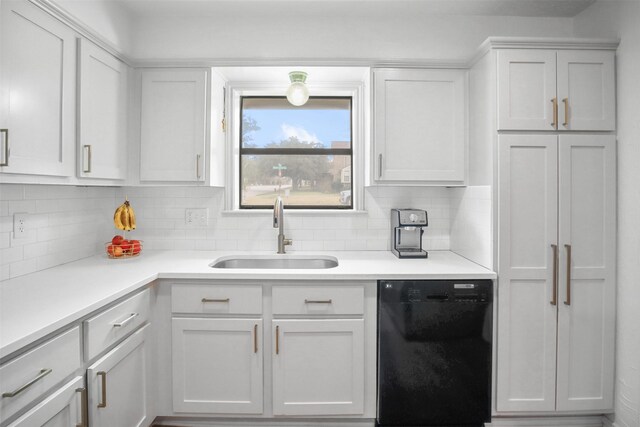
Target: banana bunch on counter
x: 124, y: 218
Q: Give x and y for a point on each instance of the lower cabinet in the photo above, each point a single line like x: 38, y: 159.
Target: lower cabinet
x: 318, y: 367
x: 217, y: 365
x: 300, y: 346
x: 66, y: 407
x: 118, y: 385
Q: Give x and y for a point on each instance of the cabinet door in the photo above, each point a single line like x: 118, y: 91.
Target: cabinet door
x: 217, y: 366
x: 586, y: 317
x: 174, y: 105
x: 420, y: 125
x: 318, y: 367
x: 63, y: 408
x: 586, y: 90
x: 526, y: 89
x: 102, y: 113
x: 527, y: 316
x: 118, y: 387
x: 38, y: 92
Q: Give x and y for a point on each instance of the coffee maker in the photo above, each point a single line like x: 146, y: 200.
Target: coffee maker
x: 406, y: 232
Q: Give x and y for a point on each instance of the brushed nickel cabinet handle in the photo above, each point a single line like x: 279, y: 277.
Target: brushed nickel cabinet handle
x: 5, y: 140
x: 554, y: 101
x: 198, y: 166
x: 566, y: 112
x: 125, y: 321
x: 317, y: 301
x: 215, y: 300
x: 379, y: 165
x: 554, y: 297
x: 43, y: 373
x: 103, y: 401
x: 87, y: 148
x: 568, y: 301
x: 255, y: 338
x: 83, y: 407
x: 277, y: 339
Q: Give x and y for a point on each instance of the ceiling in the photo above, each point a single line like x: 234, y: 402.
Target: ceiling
x: 527, y: 8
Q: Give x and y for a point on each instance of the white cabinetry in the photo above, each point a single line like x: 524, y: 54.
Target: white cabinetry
x: 556, y: 90
x: 217, y: 365
x: 217, y: 362
x: 31, y: 375
x: 173, y: 125
x: 118, y: 385
x: 102, y: 113
x: 318, y: 367
x: 311, y: 337
x: 63, y: 408
x: 556, y: 263
x: 318, y: 362
x: 37, y: 88
x: 420, y: 126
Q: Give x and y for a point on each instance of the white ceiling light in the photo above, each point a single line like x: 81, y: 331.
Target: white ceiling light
x: 297, y: 94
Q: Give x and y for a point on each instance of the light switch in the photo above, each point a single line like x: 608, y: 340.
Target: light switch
x: 197, y: 218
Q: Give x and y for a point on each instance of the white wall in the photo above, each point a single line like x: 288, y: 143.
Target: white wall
x: 316, y: 30
x: 622, y: 19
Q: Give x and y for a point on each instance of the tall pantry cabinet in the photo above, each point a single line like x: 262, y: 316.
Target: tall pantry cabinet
x: 546, y: 111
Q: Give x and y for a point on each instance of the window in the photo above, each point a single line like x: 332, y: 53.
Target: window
x: 303, y: 154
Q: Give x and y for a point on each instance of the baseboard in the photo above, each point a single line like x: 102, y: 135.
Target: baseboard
x: 258, y: 422
x: 585, y: 421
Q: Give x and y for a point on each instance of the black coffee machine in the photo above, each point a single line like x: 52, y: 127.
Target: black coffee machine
x: 406, y: 232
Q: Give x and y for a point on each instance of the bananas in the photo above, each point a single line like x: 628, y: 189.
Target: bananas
x: 124, y: 218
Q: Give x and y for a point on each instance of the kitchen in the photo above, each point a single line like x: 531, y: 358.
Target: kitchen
x: 69, y: 216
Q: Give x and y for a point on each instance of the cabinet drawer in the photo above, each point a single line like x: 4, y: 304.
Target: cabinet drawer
x: 347, y: 299
x: 111, y: 325
x: 32, y: 374
x: 216, y: 299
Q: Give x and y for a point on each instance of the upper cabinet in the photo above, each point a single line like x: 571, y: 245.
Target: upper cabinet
x: 102, y: 113
x: 173, y: 129
x: 37, y: 88
x: 563, y: 90
x: 420, y: 126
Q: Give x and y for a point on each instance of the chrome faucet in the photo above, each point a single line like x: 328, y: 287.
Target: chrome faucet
x: 278, y: 222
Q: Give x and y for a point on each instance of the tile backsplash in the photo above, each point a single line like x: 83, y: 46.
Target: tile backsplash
x: 69, y: 223
x: 471, y: 224
x: 63, y: 224
x: 160, y: 215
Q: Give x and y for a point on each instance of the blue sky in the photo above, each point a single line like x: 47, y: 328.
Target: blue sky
x: 308, y: 125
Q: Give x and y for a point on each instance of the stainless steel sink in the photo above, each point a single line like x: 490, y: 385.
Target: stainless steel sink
x: 276, y: 262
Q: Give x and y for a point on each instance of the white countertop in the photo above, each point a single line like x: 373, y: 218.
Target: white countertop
x: 37, y: 304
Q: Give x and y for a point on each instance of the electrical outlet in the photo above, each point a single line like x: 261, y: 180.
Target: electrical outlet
x: 197, y: 218
x: 20, y: 225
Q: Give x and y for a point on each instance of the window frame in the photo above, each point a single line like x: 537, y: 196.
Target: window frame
x: 359, y: 131
x: 295, y: 152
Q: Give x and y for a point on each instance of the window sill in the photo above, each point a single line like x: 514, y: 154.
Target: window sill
x: 296, y: 212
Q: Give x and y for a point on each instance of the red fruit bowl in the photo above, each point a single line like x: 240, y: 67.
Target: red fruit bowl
x: 126, y: 249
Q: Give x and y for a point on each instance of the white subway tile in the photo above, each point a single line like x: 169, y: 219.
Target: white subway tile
x: 21, y: 268
x: 5, y: 240
x: 11, y: 255
x: 11, y: 192
x: 28, y: 206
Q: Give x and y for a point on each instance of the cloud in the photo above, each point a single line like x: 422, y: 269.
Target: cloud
x: 301, y: 133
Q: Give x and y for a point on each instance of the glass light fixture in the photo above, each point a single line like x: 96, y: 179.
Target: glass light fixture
x: 297, y: 94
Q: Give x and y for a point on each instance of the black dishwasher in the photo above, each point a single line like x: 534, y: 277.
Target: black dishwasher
x: 434, y: 352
